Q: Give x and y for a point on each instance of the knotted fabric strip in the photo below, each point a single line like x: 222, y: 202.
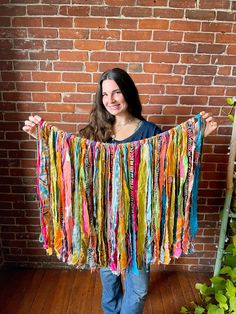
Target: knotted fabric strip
x: 119, y: 205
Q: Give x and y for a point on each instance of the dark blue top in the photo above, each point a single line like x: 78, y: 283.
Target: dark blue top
x: 145, y: 129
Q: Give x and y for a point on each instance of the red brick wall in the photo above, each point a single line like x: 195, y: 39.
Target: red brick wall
x: 181, y: 54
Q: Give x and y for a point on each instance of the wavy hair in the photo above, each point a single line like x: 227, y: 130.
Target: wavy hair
x: 101, y: 121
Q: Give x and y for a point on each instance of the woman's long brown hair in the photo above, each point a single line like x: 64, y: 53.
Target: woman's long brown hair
x: 101, y: 121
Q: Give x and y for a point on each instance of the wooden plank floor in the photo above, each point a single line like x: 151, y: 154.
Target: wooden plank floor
x: 55, y: 291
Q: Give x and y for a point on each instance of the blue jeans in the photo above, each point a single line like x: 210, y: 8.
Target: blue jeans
x: 114, y: 301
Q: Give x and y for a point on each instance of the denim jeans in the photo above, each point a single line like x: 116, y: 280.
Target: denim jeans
x: 131, y: 301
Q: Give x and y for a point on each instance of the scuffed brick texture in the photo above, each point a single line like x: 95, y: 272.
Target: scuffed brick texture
x: 181, y: 54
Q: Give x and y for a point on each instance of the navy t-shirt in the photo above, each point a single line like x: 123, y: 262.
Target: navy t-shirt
x: 145, y: 129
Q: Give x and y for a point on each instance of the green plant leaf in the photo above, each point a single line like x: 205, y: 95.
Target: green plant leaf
x: 226, y: 270
x: 231, y: 117
x: 199, y: 310
x: 222, y: 300
x: 202, y: 287
x: 230, y: 288
x: 232, y: 303
x: 214, y: 309
x: 230, y: 101
x: 183, y: 310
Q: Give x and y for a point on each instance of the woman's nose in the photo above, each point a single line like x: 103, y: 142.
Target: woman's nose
x: 111, y: 99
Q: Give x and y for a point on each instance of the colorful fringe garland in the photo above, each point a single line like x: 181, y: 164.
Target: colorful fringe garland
x: 119, y: 205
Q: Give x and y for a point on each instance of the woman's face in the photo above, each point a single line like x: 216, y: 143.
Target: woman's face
x: 113, y: 98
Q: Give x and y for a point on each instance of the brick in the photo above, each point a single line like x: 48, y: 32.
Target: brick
x: 182, y: 4
x: 25, y: 65
x: 198, y: 80
x: 28, y: 44
x: 13, y: 54
x: 57, y: 22
x: 6, y: 43
x: 210, y: 90
x: 68, y: 66
x: 221, y: 80
x: 28, y: 107
x: 116, y: 23
x: 150, y: 46
x: 180, y: 90
x: 135, y: 57
x: 7, y: 86
x: 136, y: 35
x: 11, y: 96
x: 74, y: 33
x: 6, y: 65
x: 136, y: 11
x: 185, y: 25
x: 61, y: 108
x: 76, y: 77
x: 225, y: 16
x: 167, y: 35
x: 44, y: 55
x: 163, y: 120
x: 92, y: 22
x: 176, y: 110
x: 180, y: 69
x: 5, y: 21
x: 59, y: 44
x: 32, y: 86
x: 207, y: 15
x: 231, y: 50
x: 202, y: 70
x: 73, y: 56
x: 105, y: 56
x: 169, y: 13
x: 120, y: 2
x: 89, y: 45
x: 158, y: 68
x: 61, y: 87
x: 152, y: 109
x: 105, y: 11
x: 105, y: 34
x: 195, y: 59
x: 46, y: 76
x: 153, y: 24
x: 121, y: 45
x: 181, y: 47
x: 168, y: 79
x: 75, y: 117
x: 13, y: 33
x: 42, y: 10
x: 165, y: 100
x: 199, y: 37
x: 47, y: 33
x: 86, y: 88
x: 206, y: 4
x: 193, y: 100
x: 12, y: 10
x: 150, y: 89
x: 83, y: 108
x: 226, y: 38
x: 211, y: 48
x: 45, y: 65
x: 217, y: 27
x: 81, y: 98
x: 26, y: 22
x: 50, y: 97
x: 152, y: 3
x: 74, y: 10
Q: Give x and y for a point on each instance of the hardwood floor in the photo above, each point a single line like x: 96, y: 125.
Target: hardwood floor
x: 55, y: 291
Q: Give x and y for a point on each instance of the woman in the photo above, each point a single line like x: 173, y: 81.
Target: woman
x: 116, y: 117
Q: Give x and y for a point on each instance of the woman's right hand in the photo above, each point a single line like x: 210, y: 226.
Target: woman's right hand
x: 30, y: 125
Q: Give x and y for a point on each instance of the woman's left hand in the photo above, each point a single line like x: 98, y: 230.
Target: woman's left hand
x: 211, y: 124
